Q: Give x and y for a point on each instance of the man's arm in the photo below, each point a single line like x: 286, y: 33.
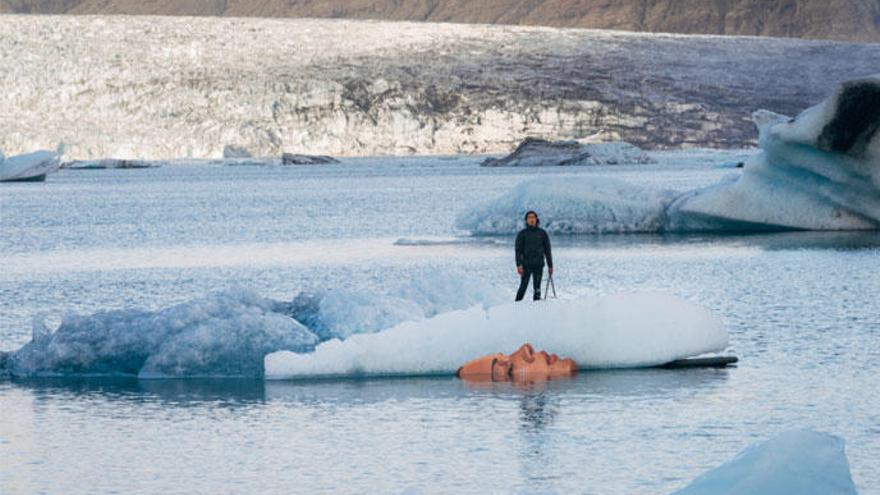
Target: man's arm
x: 547, y: 253
x: 518, y: 249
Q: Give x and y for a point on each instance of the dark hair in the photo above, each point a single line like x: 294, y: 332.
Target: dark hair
x: 532, y: 212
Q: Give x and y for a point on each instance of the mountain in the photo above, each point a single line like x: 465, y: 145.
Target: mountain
x: 849, y: 20
x: 175, y: 86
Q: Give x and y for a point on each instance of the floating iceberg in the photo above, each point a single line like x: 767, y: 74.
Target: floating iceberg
x: 223, y: 334
x: 801, y: 462
x: 534, y: 152
x: 109, y: 163
x: 31, y: 167
x: 818, y: 171
x: 297, y: 159
x: 622, y: 330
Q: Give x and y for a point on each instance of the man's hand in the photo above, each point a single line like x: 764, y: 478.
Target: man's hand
x: 550, y: 270
x: 519, y: 269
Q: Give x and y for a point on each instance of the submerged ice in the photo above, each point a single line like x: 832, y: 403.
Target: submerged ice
x: 621, y: 330
x: 804, y: 462
x: 817, y: 171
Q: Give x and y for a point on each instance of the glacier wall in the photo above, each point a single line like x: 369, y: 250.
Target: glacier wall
x: 142, y: 87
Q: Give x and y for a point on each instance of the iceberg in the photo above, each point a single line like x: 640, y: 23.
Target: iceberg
x: 223, y: 334
x: 105, y: 163
x: 802, y: 462
x: 817, y: 171
x: 614, y: 331
x: 534, y: 152
x: 29, y: 167
x: 299, y: 159
x: 341, y: 313
x: 569, y: 205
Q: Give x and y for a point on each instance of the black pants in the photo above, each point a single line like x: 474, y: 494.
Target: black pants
x: 535, y: 272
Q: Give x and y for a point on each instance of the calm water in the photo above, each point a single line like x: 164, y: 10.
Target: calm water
x: 801, y: 309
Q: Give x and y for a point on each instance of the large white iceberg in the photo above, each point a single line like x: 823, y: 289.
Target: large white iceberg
x: 29, y: 166
x: 818, y: 171
x: 621, y: 330
x: 801, y: 462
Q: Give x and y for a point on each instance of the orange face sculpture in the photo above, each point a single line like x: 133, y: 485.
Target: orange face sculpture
x: 524, y: 364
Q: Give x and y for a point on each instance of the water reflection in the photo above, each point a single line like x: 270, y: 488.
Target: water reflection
x: 769, y: 241
x: 341, y: 392
x: 183, y: 393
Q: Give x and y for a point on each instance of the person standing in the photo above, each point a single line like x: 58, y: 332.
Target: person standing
x: 532, y: 246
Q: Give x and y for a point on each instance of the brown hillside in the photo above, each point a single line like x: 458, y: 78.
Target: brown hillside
x: 851, y: 20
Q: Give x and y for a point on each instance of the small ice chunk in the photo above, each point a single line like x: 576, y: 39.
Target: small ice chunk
x: 802, y: 462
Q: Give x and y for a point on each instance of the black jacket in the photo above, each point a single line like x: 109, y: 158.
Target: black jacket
x: 532, y: 245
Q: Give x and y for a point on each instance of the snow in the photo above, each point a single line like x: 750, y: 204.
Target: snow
x: 28, y: 165
x: 818, y: 171
x: 620, y: 330
x: 802, y: 462
x: 572, y: 205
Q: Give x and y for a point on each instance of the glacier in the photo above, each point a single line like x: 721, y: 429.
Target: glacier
x: 613, y: 331
x: 817, y: 171
x: 804, y: 462
x: 356, y: 87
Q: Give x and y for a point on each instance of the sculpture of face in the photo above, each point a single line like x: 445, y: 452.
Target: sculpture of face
x: 522, y: 364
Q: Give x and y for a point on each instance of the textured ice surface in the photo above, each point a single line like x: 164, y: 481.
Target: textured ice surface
x: 818, y: 171
x: 621, y: 330
x: 223, y: 334
x: 802, y: 462
x: 340, y: 313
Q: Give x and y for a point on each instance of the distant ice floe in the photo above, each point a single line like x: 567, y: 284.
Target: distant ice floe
x: 534, y: 152
x: 802, y: 462
x: 818, y: 171
x: 112, y: 163
x: 621, y: 330
x: 32, y: 167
